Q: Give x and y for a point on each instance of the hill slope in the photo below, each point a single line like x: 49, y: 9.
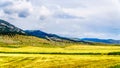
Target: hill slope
x: 7, y: 28
x: 22, y: 40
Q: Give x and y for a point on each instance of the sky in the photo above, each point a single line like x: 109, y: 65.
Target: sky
x: 70, y: 18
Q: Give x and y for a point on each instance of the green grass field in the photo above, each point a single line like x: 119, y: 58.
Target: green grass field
x: 31, y: 52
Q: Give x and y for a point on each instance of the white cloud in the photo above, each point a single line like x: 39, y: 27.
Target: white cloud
x: 13, y: 7
x: 45, y: 11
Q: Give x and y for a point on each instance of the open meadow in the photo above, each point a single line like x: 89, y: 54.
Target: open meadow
x: 31, y: 52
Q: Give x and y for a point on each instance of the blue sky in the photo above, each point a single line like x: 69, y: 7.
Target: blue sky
x: 71, y: 18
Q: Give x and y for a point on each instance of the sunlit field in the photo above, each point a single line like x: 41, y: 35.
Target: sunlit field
x: 31, y: 52
x: 57, y: 61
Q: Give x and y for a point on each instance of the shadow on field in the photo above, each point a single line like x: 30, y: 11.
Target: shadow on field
x: 60, y: 53
x: 116, y: 66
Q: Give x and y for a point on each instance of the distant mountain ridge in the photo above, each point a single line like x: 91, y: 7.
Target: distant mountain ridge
x: 107, y: 41
x: 7, y: 28
x: 55, y: 37
x: 49, y: 36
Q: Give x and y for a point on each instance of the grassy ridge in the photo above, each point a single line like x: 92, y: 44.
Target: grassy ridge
x: 18, y: 41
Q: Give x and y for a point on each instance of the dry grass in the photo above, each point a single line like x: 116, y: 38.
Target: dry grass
x: 57, y: 61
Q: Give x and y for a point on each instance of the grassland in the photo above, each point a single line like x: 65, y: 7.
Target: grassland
x: 30, y: 52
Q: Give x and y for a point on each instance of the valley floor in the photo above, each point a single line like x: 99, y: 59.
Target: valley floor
x: 58, y: 61
x: 68, y: 57
x: 32, y: 52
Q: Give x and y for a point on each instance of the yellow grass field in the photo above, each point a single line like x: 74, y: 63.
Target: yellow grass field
x: 31, y: 52
x: 57, y: 61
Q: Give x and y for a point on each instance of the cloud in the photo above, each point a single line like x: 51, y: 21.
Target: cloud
x: 22, y: 8
x: 63, y: 15
x: 67, y: 16
x: 23, y: 14
x: 44, y: 11
x: 5, y: 3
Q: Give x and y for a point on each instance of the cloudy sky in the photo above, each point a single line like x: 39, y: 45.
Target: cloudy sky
x: 71, y: 18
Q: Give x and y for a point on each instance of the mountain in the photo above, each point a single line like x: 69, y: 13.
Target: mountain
x: 7, y: 28
x: 107, y: 41
x: 49, y: 36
